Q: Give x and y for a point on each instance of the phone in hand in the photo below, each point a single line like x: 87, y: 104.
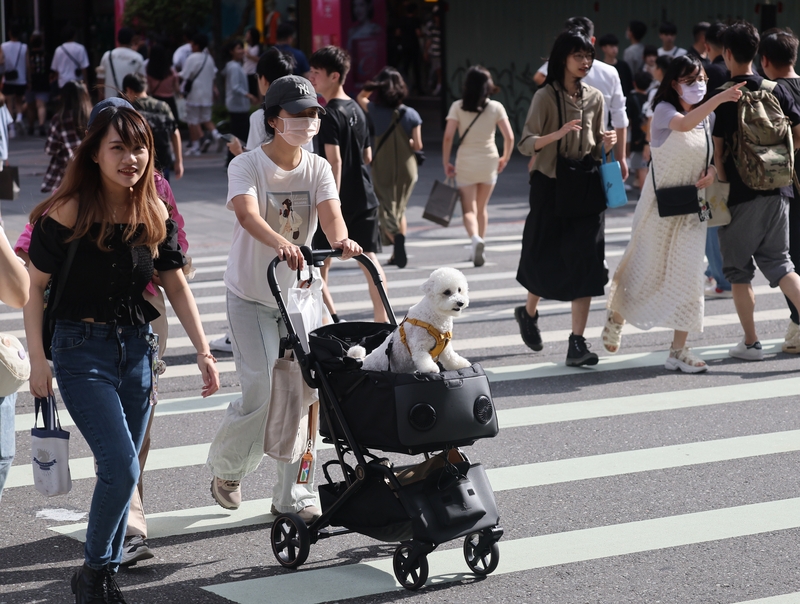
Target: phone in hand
x: 228, y: 137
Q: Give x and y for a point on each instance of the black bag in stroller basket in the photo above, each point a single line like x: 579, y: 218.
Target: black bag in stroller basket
x: 402, y: 412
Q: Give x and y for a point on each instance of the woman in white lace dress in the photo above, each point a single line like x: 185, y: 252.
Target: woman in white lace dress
x: 659, y: 281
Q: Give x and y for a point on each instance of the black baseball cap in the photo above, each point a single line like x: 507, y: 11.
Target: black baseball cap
x: 113, y: 101
x: 292, y: 93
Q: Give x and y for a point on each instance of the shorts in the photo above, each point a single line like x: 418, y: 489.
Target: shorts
x: 759, y: 230
x: 198, y: 114
x: 14, y: 89
x: 34, y: 95
x: 362, y: 228
x: 636, y: 161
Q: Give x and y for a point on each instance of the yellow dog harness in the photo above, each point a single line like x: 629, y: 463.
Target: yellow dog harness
x: 441, y: 339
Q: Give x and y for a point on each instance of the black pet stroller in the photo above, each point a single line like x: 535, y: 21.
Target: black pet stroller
x: 420, y: 506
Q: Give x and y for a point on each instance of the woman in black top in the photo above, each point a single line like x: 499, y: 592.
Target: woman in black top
x: 104, y: 352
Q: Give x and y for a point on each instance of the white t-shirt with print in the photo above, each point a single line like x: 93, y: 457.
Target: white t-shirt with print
x: 287, y: 200
x: 126, y: 61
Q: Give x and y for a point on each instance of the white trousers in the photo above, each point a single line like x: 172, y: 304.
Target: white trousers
x: 238, y: 446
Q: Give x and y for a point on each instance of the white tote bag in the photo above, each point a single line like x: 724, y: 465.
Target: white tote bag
x: 306, y: 308
x: 50, y: 451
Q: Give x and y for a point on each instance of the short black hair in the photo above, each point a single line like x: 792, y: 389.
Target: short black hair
x: 229, y: 47
x: 700, y: 28
x: 742, y: 39
x: 779, y: 47
x: 638, y: 29
x: 333, y: 60
x: 200, y: 40
x: 650, y: 51
x: 68, y: 33
x: 679, y: 67
x: 668, y: 29
x: 608, y: 40
x: 714, y: 34
x: 642, y: 79
x: 284, y: 31
x: 135, y: 82
x: 14, y: 30
x: 270, y: 112
x: 125, y: 36
x: 584, y: 23
x: 478, y: 87
x: 189, y: 32
x: 275, y: 64
x: 663, y: 62
x: 567, y: 42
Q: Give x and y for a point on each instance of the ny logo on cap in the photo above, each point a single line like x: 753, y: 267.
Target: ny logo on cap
x: 303, y: 89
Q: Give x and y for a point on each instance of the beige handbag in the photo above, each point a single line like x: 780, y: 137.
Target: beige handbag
x: 286, y: 434
x: 15, y: 367
x: 717, y: 198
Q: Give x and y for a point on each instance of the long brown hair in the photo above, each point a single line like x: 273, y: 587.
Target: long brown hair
x: 75, y: 105
x: 82, y: 181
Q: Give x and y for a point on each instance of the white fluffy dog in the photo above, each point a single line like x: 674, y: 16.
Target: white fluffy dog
x: 424, y: 335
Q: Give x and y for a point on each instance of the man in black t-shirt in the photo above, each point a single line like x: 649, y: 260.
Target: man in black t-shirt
x: 344, y: 141
x: 778, y: 51
x: 716, y: 70
x: 759, y: 219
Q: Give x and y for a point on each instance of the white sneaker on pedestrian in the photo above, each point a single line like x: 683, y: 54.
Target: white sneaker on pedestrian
x: 791, y: 342
x: 12, y: 132
x: 135, y: 549
x: 192, y: 151
x: 478, y: 251
x: 718, y: 292
x: 222, y: 344
x: 753, y: 352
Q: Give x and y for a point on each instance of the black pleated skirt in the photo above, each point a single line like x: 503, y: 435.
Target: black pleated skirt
x: 562, y: 258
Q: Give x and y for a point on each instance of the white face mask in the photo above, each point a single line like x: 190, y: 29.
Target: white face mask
x: 298, y: 131
x: 693, y: 93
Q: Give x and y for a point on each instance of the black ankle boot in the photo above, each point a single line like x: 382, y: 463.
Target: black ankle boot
x: 113, y: 594
x: 400, y: 258
x: 89, y: 585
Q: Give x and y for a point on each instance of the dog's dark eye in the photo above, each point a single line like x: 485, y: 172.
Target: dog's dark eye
x: 446, y: 292
x: 459, y: 290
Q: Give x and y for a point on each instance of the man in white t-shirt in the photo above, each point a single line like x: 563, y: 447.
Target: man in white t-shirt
x: 182, y: 52
x: 70, y: 60
x: 15, y: 79
x: 260, y: 183
x: 199, y: 69
x: 118, y: 63
x: 606, y: 79
x: 668, y: 32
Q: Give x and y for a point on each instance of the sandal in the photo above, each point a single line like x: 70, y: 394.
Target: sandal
x: 683, y: 360
x: 612, y: 334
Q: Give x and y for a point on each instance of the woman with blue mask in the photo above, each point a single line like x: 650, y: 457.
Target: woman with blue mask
x: 659, y: 281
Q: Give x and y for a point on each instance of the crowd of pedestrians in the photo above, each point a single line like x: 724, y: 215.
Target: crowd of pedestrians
x: 346, y: 168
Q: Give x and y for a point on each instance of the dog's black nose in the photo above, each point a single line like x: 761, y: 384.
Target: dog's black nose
x: 460, y: 304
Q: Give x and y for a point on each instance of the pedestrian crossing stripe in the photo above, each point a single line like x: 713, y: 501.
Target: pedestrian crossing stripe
x: 540, y: 414
x: 502, y: 479
x: 782, y: 599
x: 369, y: 578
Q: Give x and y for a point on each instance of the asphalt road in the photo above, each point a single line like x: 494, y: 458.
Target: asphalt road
x: 620, y: 483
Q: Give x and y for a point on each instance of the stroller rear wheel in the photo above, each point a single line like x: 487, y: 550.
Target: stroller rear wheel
x: 290, y: 540
x: 482, y: 553
x: 410, y: 572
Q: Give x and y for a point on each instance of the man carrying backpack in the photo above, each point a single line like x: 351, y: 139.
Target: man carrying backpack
x: 760, y: 177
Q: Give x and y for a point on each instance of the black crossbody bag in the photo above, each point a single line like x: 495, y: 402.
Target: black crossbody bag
x: 579, y: 190
x: 679, y: 201
x: 187, y: 85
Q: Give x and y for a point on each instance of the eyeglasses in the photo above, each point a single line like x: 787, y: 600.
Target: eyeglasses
x: 691, y: 80
x: 582, y: 57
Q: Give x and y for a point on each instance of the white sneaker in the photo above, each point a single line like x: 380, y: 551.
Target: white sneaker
x: 222, y: 344
x: 747, y: 353
x: 192, y: 151
x: 791, y: 342
x: 12, y: 132
x: 478, y: 251
x: 718, y: 292
x: 685, y: 361
x: 135, y: 549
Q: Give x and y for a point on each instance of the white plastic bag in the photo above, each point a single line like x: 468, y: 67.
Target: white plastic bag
x: 306, y: 308
x: 50, y: 451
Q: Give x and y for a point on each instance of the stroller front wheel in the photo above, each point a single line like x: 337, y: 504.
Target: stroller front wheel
x: 482, y: 553
x: 290, y: 540
x: 410, y: 572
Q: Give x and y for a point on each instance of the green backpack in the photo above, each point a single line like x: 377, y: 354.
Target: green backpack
x: 763, y: 150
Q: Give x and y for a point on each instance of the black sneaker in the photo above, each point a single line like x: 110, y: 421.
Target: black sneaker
x: 400, y: 258
x: 578, y: 354
x: 529, y: 328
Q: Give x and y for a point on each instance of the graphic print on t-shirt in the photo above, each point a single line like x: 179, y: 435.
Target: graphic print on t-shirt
x: 289, y: 214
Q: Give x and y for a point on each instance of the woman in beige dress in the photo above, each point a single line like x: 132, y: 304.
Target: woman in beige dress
x: 478, y: 162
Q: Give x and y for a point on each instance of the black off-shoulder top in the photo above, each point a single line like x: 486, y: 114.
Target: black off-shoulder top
x: 106, y: 286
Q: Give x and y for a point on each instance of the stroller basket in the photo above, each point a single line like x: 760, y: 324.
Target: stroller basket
x: 402, y: 412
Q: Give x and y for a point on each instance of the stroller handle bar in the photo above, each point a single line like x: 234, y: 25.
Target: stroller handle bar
x: 315, y: 258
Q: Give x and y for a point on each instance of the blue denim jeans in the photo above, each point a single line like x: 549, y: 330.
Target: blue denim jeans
x: 715, y: 259
x: 7, y: 442
x: 104, y: 376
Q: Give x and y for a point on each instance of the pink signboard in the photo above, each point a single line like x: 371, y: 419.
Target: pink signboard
x: 364, y: 22
x: 119, y: 12
x: 325, y: 23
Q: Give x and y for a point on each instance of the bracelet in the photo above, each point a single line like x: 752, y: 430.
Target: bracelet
x: 207, y: 355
